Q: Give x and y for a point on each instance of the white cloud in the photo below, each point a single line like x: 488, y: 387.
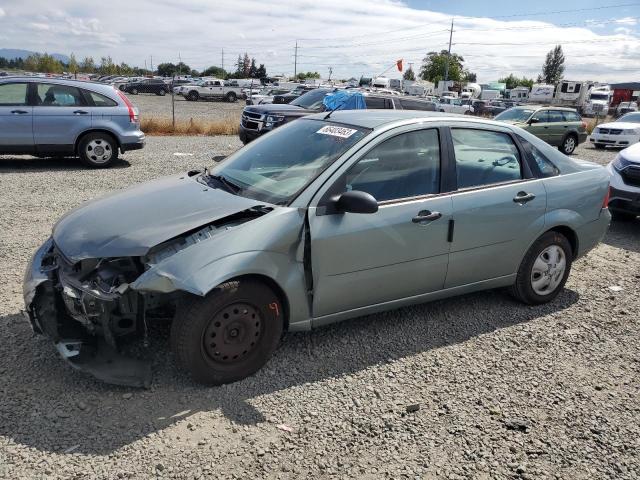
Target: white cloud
x: 2, y: 12
x: 352, y: 36
x: 623, y: 30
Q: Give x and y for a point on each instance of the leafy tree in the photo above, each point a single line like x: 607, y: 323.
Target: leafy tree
x: 246, y: 65
x: 88, y: 65
x: 307, y: 75
x: 409, y: 74
x: 512, y: 81
x: 214, y: 71
x: 553, y: 67
x: 470, y: 76
x: 253, y: 69
x: 434, y: 66
x: 107, y: 67
x: 261, y: 71
x: 73, y: 66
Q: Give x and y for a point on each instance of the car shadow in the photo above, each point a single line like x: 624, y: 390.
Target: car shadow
x: 625, y: 235
x: 94, y: 418
x: 26, y: 164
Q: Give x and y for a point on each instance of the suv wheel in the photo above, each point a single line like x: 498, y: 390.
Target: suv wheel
x: 134, y: 91
x: 229, y: 334
x: 544, y: 270
x: 193, y: 96
x: 162, y: 92
x: 98, y: 150
x: 231, y: 97
x: 569, y: 144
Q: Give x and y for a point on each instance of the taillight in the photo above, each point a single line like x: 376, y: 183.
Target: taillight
x: 584, y: 125
x: 133, y: 118
x: 605, y: 202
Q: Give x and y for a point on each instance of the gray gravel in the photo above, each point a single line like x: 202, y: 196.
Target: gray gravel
x: 160, y: 107
x: 474, y: 387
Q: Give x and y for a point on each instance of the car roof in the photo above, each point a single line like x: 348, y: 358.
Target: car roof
x: 545, y: 107
x: 381, y: 118
x: 86, y: 84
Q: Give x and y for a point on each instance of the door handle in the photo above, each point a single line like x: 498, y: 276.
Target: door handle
x: 523, y: 197
x: 19, y: 112
x: 80, y: 112
x: 426, y: 216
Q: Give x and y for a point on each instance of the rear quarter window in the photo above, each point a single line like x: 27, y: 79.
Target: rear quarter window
x: 545, y: 166
x: 100, y: 100
x: 572, y: 117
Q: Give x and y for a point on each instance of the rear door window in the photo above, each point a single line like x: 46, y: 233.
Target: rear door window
x: 52, y: 95
x: 541, y: 116
x: 13, y: 94
x: 377, y: 102
x: 571, y: 117
x: 485, y: 157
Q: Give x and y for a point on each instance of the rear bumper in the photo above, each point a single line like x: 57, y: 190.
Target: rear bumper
x: 135, y: 141
x: 592, y: 233
x: 582, y: 137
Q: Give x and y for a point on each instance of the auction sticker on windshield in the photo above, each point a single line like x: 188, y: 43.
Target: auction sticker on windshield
x: 341, y: 132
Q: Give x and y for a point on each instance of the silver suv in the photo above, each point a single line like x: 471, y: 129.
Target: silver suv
x: 46, y: 116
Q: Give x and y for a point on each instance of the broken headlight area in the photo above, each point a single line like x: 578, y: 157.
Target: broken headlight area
x: 90, y: 313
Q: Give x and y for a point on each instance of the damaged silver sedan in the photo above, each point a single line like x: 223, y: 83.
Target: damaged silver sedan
x: 330, y: 217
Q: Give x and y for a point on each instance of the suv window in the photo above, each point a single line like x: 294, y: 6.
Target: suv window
x: 13, y: 94
x: 484, y: 157
x: 555, y: 116
x: 571, y: 117
x: 377, y: 102
x: 51, y: 95
x: 547, y: 169
x: 542, y: 116
x: 408, y: 104
x: 407, y: 165
x: 100, y: 100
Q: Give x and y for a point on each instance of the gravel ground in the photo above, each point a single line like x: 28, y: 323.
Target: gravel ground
x: 473, y: 387
x: 160, y: 107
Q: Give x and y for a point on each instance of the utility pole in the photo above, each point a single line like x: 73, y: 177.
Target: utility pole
x: 295, y: 62
x: 152, y: 64
x: 330, y: 72
x: 179, y: 64
x: 222, y: 63
x: 446, y: 65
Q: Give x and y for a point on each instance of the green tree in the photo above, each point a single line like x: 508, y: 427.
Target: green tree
x: 409, y: 74
x: 261, y: 71
x: 107, y: 67
x: 307, y: 75
x: 214, y: 71
x: 32, y: 62
x: 87, y: 65
x: 73, y: 66
x: 553, y: 67
x: 253, y: 69
x: 470, y: 77
x: 434, y: 66
x: 512, y: 81
x: 166, y: 69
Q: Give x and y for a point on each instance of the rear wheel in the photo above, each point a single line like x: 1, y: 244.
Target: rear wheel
x: 193, y: 96
x: 544, y: 270
x: 134, y: 91
x: 162, y: 93
x: 231, y: 97
x: 569, y: 144
x: 229, y: 334
x: 98, y: 150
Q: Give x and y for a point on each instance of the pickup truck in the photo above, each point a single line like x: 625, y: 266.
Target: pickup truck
x: 454, y: 105
x: 211, y: 90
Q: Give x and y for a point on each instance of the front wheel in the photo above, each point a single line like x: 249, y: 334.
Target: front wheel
x: 134, y: 91
x: 192, y: 96
x: 229, y: 334
x: 162, y: 93
x: 568, y: 145
x: 231, y: 97
x: 544, y: 270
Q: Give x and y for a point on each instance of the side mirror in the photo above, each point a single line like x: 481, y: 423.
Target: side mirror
x: 533, y: 120
x: 218, y: 158
x: 356, y: 202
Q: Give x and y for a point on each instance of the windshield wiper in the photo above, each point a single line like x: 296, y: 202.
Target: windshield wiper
x: 227, y: 184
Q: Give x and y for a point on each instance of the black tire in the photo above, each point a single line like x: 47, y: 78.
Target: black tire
x: 231, y: 97
x: 134, y: 91
x: 93, y: 158
x: 522, y: 289
x: 200, y: 320
x: 599, y: 146
x: 569, y: 144
x: 121, y: 87
x: 192, y: 96
x: 162, y: 92
x: 619, y: 216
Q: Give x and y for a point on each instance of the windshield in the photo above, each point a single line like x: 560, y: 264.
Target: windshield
x: 274, y: 168
x: 311, y: 100
x: 630, y: 117
x: 515, y: 115
x: 599, y: 96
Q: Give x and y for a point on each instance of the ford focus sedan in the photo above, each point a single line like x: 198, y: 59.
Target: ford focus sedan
x: 328, y: 218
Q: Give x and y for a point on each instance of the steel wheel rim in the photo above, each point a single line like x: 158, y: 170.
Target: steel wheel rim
x: 569, y: 144
x: 99, y: 151
x: 233, y: 333
x: 548, y: 270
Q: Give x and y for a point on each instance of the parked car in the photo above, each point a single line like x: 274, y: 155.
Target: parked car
x: 454, y: 105
x: 626, y: 107
x: 257, y: 120
x: 625, y: 184
x: 328, y: 218
x: 480, y: 107
x: 211, y: 90
x: 561, y: 127
x: 264, y: 96
x: 47, y: 116
x: 623, y: 132
x: 148, y: 85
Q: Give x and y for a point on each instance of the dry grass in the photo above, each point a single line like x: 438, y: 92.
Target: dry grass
x: 164, y: 126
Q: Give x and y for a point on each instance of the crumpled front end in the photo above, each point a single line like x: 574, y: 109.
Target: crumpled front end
x: 88, y: 310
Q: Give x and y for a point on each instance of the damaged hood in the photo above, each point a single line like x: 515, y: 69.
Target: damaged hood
x: 129, y: 223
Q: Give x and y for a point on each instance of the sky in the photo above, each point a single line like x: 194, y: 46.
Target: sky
x: 601, y: 39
